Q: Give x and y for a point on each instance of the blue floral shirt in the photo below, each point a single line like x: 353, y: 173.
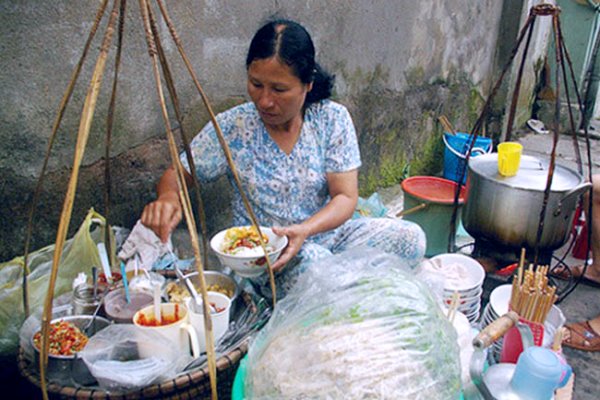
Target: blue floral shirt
x: 282, y: 189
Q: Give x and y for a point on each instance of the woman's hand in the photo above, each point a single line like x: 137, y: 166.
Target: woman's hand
x: 163, y: 215
x: 343, y: 189
x: 296, y: 234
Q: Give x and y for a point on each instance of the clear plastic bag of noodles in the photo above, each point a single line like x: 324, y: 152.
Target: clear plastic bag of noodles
x: 356, y: 326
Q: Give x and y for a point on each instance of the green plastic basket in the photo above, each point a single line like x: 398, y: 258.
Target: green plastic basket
x: 237, y: 391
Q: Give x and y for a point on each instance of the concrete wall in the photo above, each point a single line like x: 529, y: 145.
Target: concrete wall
x: 533, y: 66
x: 399, y: 65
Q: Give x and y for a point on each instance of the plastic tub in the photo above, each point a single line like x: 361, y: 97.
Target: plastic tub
x: 437, y: 196
x: 118, y: 310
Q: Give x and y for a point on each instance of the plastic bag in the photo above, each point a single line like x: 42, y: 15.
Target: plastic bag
x: 79, y: 255
x: 61, y: 307
x: 359, y: 326
x: 111, y: 355
x: 371, y: 207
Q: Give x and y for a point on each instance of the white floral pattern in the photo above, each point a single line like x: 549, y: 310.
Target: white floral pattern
x: 287, y: 189
x: 282, y: 189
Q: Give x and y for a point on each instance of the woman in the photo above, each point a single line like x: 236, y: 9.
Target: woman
x: 297, y: 156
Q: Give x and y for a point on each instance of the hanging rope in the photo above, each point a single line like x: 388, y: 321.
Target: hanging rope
x: 183, y: 197
x: 186, y: 144
x: 582, y: 105
x: 474, y: 133
x: 561, y: 55
x: 55, y: 126
x: 109, y: 128
x: 224, y: 145
x: 85, y: 123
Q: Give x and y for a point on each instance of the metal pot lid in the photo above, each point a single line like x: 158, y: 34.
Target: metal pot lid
x: 532, y: 174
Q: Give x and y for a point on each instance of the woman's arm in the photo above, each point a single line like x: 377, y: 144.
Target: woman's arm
x: 164, y: 214
x: 343, y: 190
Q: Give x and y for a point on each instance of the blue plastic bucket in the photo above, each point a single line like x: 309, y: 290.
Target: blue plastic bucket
x: 456, y: 150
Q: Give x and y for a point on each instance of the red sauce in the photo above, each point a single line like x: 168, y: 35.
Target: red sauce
x: 165, y: 319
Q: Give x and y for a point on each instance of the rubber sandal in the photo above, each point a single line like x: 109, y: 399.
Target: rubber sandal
x: 562, y: 273
x: 537, y: 126
x: 582, y: 337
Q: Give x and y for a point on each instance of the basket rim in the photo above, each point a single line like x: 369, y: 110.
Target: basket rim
x: 182, y: 381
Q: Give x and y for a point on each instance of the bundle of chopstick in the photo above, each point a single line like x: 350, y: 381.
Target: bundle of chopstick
x: 532, y: 297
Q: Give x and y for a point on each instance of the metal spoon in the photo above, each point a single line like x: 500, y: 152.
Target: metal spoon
x: 95, y: 281
x: 94, y: 315
x: 190, y: 287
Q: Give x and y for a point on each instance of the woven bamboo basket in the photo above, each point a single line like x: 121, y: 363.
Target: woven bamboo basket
x: 191, y: 385
x: 194, y: 384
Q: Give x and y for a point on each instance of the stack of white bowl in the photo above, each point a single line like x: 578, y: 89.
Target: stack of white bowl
x: 498, y: 306
x: 495, y: 308
x: 463, y: 275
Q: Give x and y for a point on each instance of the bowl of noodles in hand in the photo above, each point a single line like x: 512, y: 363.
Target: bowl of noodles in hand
x: 239, y: 248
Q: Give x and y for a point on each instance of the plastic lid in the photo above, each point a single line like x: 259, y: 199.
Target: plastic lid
x: 433, y: 189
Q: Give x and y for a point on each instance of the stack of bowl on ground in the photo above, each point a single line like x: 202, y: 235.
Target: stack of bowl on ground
x: 463, y: 282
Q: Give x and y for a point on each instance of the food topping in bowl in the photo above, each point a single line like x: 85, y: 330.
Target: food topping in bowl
x: 217, y: 288
x: 65, y: 339
x: 244, y: 241
x: 150, y: 320
x: 215, y: 309
x: 177, y: 293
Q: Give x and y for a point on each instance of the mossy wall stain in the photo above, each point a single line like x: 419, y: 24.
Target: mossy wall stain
x: 398, y: 132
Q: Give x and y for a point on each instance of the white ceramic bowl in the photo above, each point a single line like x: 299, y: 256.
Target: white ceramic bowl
x: 500, y: 299
x: 474, y: 272
x: 249, y: 266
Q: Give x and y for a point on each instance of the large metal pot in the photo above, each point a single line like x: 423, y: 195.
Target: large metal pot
x: 506, y: 210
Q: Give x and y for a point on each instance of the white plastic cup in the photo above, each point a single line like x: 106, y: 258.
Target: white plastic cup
x: 220, y: 319
x: 176, y: 328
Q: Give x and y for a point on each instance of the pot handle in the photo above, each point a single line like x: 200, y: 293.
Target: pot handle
x: 576, y: 191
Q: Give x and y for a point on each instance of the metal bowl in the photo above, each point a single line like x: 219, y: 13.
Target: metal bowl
x: 71, y: 369
x: 223, y: 280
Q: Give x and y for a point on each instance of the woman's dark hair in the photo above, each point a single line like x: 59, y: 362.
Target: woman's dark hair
x: 291, y: 43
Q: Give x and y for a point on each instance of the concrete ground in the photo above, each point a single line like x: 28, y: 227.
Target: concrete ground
x: 582, y: 303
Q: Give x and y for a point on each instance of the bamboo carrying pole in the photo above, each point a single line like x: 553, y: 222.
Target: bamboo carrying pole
x: 184, y: 199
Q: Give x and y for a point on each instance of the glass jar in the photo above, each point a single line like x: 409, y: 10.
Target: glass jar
x: 83, y: 300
